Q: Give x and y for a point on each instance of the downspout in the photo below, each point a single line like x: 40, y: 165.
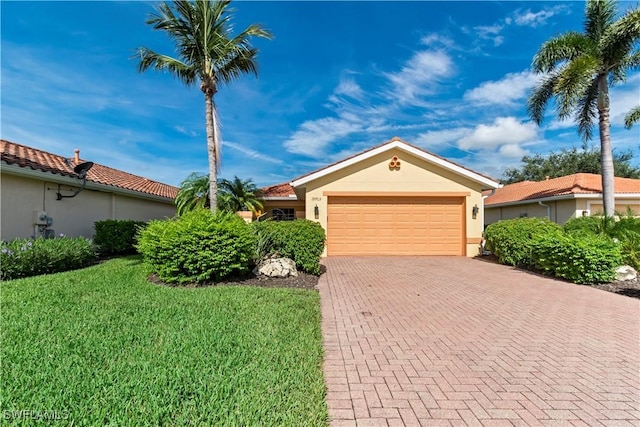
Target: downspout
x: 548, y: 210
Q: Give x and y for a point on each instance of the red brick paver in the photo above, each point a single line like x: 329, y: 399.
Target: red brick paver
x: 421, y: 341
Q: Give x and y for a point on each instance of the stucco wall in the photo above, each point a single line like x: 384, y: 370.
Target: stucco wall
x: 72, y: 217
x: 414, y: 175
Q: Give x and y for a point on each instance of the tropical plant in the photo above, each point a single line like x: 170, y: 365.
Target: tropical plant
x: 239, y: 195
x: 193, y: 193
x: 632, y: 117
x: 208, y: 54
x: 578, y: 69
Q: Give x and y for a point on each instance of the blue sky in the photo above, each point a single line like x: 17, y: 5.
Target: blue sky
x: 339, y: 77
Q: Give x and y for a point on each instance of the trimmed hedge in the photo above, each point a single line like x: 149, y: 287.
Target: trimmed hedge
x: 584, y: 259
x: 197, y: 247
x: 512, y: 240
x: 116, y: 237
x: 301, y: 240
x: 30, y: 257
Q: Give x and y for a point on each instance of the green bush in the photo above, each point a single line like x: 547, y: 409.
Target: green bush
x: 28, y: 257
x: 511, y: 240
x: 116, y: 237
x: 301, y: 240
x: 584, y: 259
x: 197, y: 247
x: 625, y: 230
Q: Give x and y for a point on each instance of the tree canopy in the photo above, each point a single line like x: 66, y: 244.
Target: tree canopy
x: 567, y: 162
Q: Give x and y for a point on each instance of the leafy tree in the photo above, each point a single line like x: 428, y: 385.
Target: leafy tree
x: 632, y: 117
x: 193, y: 193
x: 207, y: 53
x: 235, y: 195
x: 568, y: 162
x: 239, y: 195
x: 578, y: 69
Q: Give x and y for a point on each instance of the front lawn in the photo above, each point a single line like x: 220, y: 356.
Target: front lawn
x: 103, y: 346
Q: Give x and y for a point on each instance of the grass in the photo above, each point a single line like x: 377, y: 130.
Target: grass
x: 104, y: 346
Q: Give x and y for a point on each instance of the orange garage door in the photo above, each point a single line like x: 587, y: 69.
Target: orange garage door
x: 395, y: 226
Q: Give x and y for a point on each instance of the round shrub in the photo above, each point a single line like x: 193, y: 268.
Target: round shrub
x: 197, y: 247
x: 115, y: 236
x: 301, y: 240
x: 512, y: 240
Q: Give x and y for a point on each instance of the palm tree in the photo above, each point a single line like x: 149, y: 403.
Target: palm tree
x: 579, y: 68
x: 632, y: 117
x: 239, y: 195
x: 207, y: 53
x: 193, y: 193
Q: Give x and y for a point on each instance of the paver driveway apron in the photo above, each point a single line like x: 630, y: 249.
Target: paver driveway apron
x: 431, y: 341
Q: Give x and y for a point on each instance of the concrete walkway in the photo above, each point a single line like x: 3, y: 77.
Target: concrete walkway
x: 422, y: 341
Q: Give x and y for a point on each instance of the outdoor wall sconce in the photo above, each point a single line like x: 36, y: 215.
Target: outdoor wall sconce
x: 316, y: 212
x: 474, y: 211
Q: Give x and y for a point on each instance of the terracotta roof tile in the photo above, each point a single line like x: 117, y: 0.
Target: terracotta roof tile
x: 278, y: 190
x: 23, y: 156
x: 580, y: 183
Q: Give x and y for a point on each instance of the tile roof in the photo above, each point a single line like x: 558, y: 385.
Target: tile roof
x: 392, y: 140
x: 23, y: 156
x: 579, y: 183
x: 278, y: 190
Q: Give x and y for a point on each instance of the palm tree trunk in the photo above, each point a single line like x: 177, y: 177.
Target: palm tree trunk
x: 606, y: 157
x: 212, y: 150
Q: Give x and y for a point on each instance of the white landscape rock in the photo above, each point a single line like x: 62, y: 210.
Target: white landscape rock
x: 625, y: 273
x: 276, y: 267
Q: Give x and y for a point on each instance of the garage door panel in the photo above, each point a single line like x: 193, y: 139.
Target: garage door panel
x: 395, y: 226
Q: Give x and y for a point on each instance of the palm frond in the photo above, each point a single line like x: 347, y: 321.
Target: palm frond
x: 573, y: 81
x: 563, y: 48
x: 587, y: 111
x: 632, y: 117
x: 193, y: 193
x: 618, y: 41
x: 599, y: 15
x: 540, y: 97
x: 151, y: 59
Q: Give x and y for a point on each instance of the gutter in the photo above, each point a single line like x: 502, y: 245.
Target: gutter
x: 548, y: 210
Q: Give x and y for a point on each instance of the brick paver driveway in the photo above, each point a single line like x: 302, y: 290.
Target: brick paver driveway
x: 422, y: 341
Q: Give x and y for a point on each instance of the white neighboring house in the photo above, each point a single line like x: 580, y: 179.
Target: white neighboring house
x: 33, y: 180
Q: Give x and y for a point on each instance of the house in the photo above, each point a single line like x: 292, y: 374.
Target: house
x: 37, y: 194
x: 559, y: 199
x: 392, y: 199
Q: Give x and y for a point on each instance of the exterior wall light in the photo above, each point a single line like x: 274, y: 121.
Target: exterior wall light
x: 474, y: 211
x: 316, y: 212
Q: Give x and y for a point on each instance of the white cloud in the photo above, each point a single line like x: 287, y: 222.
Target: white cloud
x: 418, y: 75
x: 186, y: 131
x: 512, y: 87
x: 536, y: 19
x: 504, y: 130
x: 251, y: 153
x: 434, y: 39
x: 623, y: 98
x: 490, y: 32
x: 513, y: 151
x: 348, y: 87
x: 435, y: 138
x: 314, y: 136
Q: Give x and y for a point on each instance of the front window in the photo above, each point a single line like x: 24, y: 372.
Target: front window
x: 283, y: 214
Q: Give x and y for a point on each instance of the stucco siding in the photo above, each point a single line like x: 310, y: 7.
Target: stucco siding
x: 414, y: 176
x: 71, y: 216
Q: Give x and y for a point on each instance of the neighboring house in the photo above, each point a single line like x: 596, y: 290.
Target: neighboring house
x: 559, y: 199
x: 393, y: 199
x: 31, y: 180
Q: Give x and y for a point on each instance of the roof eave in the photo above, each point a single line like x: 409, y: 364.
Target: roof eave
x: 40, y: 174
x: 562, y: 197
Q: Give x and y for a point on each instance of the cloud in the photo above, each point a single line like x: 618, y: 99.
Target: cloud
x: 513, y: 151
x: 314, y: 136
x: 348, y: 87
x: 490, y: 32
x: 251, y: 153
x: 435, y: 39
x: 418, y: 76
x: 435, y: 138
x: 504, y: 130
x: 186, y: 131
x: 512, y: 87
x: 536, y: 19
x: 624, y: 98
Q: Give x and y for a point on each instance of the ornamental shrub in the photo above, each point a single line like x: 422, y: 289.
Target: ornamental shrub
x: 511, y: 240
x: 116, y: 237
x: 30, y: 257
x: 584, y: 259
x: 197, y: 247
x: 301, y: 240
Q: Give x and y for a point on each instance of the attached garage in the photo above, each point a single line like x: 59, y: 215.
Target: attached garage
x: 395, y: 225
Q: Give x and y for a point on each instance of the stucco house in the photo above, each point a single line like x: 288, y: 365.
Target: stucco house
x: 35, y: 188
x: 559, y: 199
x: 392, y: 199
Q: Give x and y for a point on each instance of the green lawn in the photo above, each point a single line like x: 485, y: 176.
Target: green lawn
x: 103, y: 346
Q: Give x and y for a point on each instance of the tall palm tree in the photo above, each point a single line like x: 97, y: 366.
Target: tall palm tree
x: 207, y: 53
x: 193, y: 193
x: 239, y: 195
x: 578, y: 69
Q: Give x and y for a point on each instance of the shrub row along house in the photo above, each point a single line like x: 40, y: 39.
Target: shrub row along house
x: 559, y: 199
x: 39, y: 189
